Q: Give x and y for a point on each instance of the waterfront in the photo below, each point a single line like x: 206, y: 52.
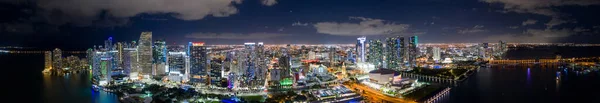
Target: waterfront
x: 47, y: 88
x: 500, y: 83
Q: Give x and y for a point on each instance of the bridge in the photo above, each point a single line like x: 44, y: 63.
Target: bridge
x: 578, y: 61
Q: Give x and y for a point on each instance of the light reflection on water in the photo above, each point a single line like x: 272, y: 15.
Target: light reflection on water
x: 73, y: 88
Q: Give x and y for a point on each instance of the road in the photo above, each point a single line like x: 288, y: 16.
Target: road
x: 374, y: 95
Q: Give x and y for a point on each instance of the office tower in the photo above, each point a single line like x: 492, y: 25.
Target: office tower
x: 176, y: 59
x: 216, y: 68
x: 375, y: 54
x: 436, y: 54
x: 47, y: 60
x: 394, y: 52
x: 198, y: 62
x: 130, y: 60
x: 413, y: 51
x: 145, y: 53
x: 159, y: 54
x: 261, y: 63
x: 360, y: 49
x: 57, y: 59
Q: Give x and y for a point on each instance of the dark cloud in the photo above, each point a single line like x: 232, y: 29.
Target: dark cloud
x: 474, y: 29
x: 366, y: 26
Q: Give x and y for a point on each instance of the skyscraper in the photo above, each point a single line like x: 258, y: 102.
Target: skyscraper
x: 394, y: 54
x: 176, y: 59
x: 216, y: 68
x: 108, y: 43
x: 360, y: 49
x: 198, y: 62
x: 261, y: 61
x: 102, y: 67
x: 413, y: 51
x: 57, y: 59
x: 436, y: 54
x: 47, y: 60
x: 145, y: 53
x: 159, y: 54
x: 375, y: 54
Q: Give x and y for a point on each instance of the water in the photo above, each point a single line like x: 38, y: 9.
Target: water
x: 526, y: 83
x: 24, y: 76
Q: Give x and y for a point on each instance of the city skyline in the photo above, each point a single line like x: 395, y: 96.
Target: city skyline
x: 299, y: 22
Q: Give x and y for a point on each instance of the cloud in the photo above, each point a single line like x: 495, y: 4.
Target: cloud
x: 366, y: 26
x: 538, y: 35
x: 475, y: 29
x: 269, y: 2
x: 20, y: 28
x: 542, y: 7
x: 529, y: 22
x: 513, y: 27
x: 556, y: 21
x: 118, y: 12
x: 233, y: 35
x: 299, y: 24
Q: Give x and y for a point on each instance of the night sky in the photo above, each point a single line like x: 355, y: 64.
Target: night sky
x: 83, y: 23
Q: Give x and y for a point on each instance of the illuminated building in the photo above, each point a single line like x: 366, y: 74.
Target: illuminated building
x: 375, y: 54
x: 108, y: 44
x: 119, y: 49
x: 130, y: 60
x: 360, y: 49
x: 262, y: 62
x: 145, y: 53
x: 216, y: 68
x: 199, y: 62
x: 436, y: 54
x: 102, y: 68
x: 413, y: 51
x: 176, y: 59
x: 57, y: 59
x: 159, y: 54
x: 252, y: 65
x: 47, y: 60
x: 394, y: 56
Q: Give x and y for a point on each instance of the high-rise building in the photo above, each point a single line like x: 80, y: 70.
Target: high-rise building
x: 394, y: 50
x: 360, y: 49
x: 57, y: 59
x: 249, y: 66
x: 145, y: 53
x: 413, y: 51
x: 108, y: 43
x: 159, y: 54
x: 119, y: 49
x: 176, y: 59
x: 198, y: 62
x: 375, y: 54
x: 47, y: 60
x: 130, y: 60
x: 102, y: 68
x: 261, y: 61
x: 215, y: 72
x: 436, y: 54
